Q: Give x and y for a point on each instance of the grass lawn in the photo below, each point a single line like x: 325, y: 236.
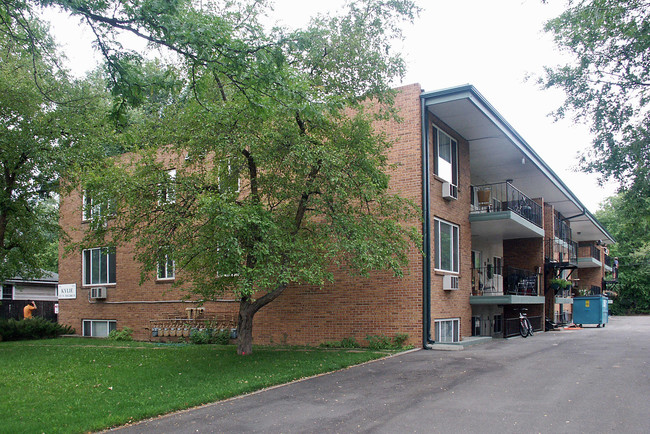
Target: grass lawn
x: 77, y: 385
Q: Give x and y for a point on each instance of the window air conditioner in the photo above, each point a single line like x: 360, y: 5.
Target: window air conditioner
x: 449, y: 191
x: 449, y: 282
x: 98, y: 292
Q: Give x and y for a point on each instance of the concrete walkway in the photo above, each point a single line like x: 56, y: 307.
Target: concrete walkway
x: 586, y: 380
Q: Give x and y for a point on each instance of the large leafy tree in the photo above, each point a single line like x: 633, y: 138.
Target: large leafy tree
x: 280, y: 177
x: 607, y: 84
x: 621, y: 217
x: 29, y: 158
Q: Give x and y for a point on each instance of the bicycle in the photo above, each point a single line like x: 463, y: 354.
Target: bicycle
x: 525, y: 327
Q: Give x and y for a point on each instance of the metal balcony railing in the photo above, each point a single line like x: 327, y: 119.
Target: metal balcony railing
x: 503, y: 280
x: 504, y: 196
x: 511, y: 325
x: 589, y: 250
x: 608, y: 261
x: 561, y: 251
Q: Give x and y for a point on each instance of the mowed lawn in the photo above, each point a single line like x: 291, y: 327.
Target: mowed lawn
x: 77, y: 385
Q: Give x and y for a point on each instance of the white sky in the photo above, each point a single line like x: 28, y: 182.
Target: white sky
x: 492, y: 45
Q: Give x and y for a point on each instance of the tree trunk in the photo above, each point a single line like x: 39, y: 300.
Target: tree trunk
x: 247, y: 310
x: 245, y: 328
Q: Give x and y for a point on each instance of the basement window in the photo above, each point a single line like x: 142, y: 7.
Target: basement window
x: 98, y: 328
x: 447, y: 330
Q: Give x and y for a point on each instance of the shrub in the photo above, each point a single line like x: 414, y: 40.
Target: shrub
x: 208, y: 336
x: 343, y: 343
x: 383, y: 342
x: 34, y: 328
x: 121, y: 335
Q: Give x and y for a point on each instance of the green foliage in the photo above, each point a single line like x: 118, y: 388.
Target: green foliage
x: 608, y: 84
x: 343, y: 343
x: 627, y: 217
x: 560, y: 283
x: 126, y: 334
x: 285, y: 180
x: 383, y: 342
x: 138, y: 380
x: 33, y: 328
x: 209, y: 336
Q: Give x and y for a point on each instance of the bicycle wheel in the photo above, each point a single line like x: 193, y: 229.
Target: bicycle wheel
x: 530, y: 327
x: 523, y: 328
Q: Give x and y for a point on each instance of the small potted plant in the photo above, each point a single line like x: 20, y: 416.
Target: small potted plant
x: 559, y: 284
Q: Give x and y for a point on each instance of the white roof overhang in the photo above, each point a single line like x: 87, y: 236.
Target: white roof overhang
x: 498, y: 153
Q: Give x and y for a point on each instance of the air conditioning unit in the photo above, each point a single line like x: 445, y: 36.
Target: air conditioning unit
x: 449, y: 191
x: 98, y: 292
x: 449, y: 282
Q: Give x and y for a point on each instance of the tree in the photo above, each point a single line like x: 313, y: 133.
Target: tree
x: 280, y: 177
x: 620, y: 216
x: 28, y: 161
x: 608, y: 84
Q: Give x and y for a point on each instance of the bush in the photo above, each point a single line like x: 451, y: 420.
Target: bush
x: 383, y: 342
x: 34, y: 328
x: 208, y: 336
x: 121, y: 335
x: 343, y: 343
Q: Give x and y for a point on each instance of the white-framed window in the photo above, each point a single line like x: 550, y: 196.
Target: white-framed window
x: 445, y: 156
x: 98, y: 328
x: 498, y: 266
x: 446, y: 239
x: 92, y: 210
x: 166, y: 268
x: 167, y: 192
x: 447, y: 330
x: 99, y: 266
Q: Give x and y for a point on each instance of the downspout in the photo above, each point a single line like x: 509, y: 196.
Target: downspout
x: 426, y: 234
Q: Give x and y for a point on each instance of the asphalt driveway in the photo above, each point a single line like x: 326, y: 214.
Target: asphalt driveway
x: 589, y: 380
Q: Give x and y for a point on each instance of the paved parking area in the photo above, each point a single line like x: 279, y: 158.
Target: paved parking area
x: 588, y: 380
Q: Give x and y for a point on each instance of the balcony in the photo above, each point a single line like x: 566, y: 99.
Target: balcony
x: 561, y: 253
x: 504, y: 286
x: 501, y: 210
x: 588, y: 256
x: 608, y: 264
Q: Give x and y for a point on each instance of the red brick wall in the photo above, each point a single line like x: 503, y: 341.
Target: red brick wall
x: 348, y: 307
x: 452, y: 304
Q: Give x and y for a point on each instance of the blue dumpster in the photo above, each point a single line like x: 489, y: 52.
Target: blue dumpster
x: 590, y: 309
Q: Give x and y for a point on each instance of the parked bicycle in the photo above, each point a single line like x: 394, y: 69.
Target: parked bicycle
x: 525, y: 327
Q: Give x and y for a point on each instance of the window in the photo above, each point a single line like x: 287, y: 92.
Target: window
x: 446, y: 246
x: 166, y: 268
x: 92, y: 209
x: 98, y: 328
x: 99, y: 266
x: 167, y: 192
x: 445, y: 155
x: 447, y: 330
x: 7, y: 292
x: 498, y: 267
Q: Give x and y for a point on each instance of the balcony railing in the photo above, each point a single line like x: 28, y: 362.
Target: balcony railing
x: 504, y: 196
x: 589, y: 250
x: 503, y: 280
x: 608, y: 261
x: 561, y: 251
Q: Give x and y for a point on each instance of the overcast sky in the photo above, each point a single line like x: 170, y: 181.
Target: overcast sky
x: 492, y: 45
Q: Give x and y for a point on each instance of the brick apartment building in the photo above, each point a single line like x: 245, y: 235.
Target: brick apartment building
x: 498, y: 224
